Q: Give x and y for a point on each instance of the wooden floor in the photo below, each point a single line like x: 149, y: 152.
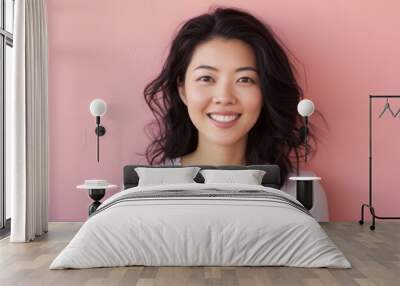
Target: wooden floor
x: 375, y: 257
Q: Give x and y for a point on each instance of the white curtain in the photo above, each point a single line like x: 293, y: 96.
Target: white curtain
x: 26, y: 123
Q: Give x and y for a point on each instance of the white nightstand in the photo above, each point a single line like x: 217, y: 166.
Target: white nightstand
x: 304, y: 190
x: 96, y: 193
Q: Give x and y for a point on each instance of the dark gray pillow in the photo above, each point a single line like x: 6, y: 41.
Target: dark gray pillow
x: 271, y: 178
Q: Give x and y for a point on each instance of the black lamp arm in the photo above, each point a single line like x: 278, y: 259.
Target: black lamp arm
x: 305, y: 137
x: 100, y: 131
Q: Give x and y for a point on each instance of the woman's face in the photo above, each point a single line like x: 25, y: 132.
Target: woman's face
x: 222, y: 90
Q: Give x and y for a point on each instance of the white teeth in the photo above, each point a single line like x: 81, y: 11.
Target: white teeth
x: 224, y: 118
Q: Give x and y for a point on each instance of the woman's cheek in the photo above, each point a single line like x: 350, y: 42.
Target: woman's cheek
x: 197, y: 101
x: 252, y: 102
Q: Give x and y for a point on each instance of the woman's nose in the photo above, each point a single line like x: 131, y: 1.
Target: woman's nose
x: 224, y: 95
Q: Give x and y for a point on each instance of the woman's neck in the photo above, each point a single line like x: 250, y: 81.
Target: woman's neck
x: 208, y: 153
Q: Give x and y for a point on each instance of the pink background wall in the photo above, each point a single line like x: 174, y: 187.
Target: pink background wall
x: 111, y: 49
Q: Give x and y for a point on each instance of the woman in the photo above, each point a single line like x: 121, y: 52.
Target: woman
x: 226, y: 94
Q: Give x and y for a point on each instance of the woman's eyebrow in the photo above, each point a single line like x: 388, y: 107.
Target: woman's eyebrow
x: 206, y: 67
x: 246, y: 69
x: 237, y: 70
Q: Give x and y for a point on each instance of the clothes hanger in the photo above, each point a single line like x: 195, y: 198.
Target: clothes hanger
x: 387, y: 106
x: 397, y: 113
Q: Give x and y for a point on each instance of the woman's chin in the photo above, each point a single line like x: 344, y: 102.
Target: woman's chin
x: 223, y: 140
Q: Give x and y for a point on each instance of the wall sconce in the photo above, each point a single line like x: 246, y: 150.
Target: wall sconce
x: 305, y: 108
x: 98, y: 108
x: 304, y: 185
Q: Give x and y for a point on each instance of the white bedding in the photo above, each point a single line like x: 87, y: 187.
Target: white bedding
x: 181, y: 231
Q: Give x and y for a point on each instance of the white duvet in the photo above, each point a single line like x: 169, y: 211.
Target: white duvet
x: 182, y: 231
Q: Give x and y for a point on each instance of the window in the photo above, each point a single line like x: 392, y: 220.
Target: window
x: 6, y: 61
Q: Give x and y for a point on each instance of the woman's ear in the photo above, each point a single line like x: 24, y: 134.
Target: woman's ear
x: 181, y: 91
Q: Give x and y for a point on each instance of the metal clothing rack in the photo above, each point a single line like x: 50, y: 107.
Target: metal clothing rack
x: 370, y: 204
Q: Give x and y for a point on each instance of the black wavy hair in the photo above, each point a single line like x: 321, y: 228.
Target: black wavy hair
x: 274, y: 138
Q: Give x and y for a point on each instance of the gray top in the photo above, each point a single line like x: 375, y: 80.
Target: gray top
x: 173, y: 162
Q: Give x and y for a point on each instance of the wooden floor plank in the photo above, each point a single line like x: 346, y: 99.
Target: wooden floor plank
x: 374, y: 255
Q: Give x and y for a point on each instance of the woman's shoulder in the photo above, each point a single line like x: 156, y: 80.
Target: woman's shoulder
x: 172, y: 162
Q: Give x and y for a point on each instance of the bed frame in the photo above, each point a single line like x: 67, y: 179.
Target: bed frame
x: 272, y: 177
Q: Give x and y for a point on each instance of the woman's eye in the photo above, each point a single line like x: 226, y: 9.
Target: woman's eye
x: 205, y: 78
x: 246, y: 80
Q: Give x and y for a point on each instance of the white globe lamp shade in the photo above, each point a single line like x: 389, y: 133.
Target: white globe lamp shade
x: 305, y: 107
x: 98, y: 107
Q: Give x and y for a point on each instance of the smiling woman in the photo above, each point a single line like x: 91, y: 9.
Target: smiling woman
x: 226, y: 95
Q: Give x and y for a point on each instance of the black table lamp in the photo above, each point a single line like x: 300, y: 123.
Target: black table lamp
x: 98, y: 108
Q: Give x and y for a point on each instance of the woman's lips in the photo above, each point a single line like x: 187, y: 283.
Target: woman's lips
x: 225, y: 120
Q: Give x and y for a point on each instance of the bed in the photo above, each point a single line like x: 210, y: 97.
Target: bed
x: 201, y: 224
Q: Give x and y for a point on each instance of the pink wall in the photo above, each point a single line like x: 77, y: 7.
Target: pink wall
x: 111, y: 49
